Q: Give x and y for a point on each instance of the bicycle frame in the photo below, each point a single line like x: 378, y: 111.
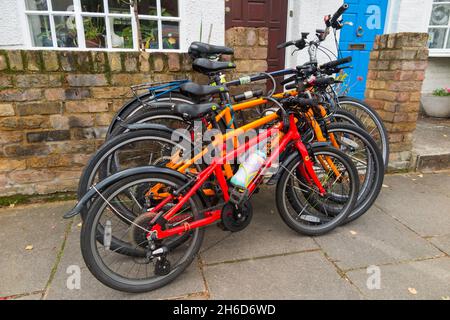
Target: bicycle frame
x: 292, y: 136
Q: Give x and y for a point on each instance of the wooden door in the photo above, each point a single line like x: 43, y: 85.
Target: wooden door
x: 261, y: 13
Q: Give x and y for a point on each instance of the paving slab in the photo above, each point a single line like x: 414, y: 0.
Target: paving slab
x: 40, y: 226
x: 297, y: 276
x: 442, y: 242
x: 266, y: 235
x: 428, y: 279
x: 374, y: 239
x: 423, y: 204
x: 191, y: 281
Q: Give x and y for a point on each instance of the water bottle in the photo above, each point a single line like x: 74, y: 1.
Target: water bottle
x: 248, y: 170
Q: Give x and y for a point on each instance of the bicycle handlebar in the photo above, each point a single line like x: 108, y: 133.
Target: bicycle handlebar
x: 335, y: 63
x: 285, y: 44
x: 301, y: 102
x: 338, y: 14
x: 324, y: 81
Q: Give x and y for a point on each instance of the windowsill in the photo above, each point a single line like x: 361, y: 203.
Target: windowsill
x: 439, y: 53
x: 92, y: 49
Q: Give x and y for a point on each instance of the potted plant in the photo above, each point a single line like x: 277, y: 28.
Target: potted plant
x: 438, y: 103
x: 94, y: 33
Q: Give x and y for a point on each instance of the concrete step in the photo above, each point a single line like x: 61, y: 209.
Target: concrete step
x: 431, y: 144
x: 432, y: 162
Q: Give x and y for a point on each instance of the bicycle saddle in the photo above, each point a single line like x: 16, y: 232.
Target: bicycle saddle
x: 205, y: 50
x: 194, y: 111
x: 206, y: 66
x: 198, y: 90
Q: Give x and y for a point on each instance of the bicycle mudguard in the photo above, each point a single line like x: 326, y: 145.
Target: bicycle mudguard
x: 119, y: 113
x: 151, y: 126
x: 102, y: 185
x: 128, y: 104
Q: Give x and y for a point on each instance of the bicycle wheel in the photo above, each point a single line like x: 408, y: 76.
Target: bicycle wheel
x: 142, y: 271
x: 308, y: 218
x: 128, y: 150
x: 368, y: 160
x: 363, y: 151
x: 344, y: 116
x: 371, y: 121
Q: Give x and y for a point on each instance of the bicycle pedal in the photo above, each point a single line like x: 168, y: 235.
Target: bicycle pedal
x: 238, y: 196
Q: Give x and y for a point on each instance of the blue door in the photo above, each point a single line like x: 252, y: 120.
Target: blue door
x: 368, y: 18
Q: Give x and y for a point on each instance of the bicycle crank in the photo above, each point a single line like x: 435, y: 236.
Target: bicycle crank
x: 236, y: 218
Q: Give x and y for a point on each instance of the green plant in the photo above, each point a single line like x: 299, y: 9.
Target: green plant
x: 127, y: 34
x: 441, y: 92
x: 149, y: 32
x: 93, y: 30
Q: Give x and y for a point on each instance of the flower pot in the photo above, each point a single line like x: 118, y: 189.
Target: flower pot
x: 436, y: 106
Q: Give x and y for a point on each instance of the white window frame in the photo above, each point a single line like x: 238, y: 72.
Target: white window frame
x: 445, y: 52
x: 78, y: 14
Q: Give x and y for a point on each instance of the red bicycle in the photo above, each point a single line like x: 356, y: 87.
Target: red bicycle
x: 170, y: 209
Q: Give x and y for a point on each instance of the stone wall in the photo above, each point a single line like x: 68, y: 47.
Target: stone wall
x: 396, y: 72
x: 55, y: 106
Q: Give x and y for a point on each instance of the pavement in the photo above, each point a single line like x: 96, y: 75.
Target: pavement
x: 398, y: 250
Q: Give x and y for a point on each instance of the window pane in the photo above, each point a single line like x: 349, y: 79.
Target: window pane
x: 448, y: 41
x: 149, y: 33
x: 92, y: 6
x: 147, y: 7
x: 66, y: 31
x: 440, y: 15
x: 119, y: 6
x: 40, y: 31
x: 121, y: 33
x: 169, y: 8
x: 171, y: 35
x: 36, y: 4
x: 62, y: 5
x: 436, y: 37
x: 94, y: 32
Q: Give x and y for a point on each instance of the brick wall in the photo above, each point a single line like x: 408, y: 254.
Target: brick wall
x: 55, y: 106
x: 396, y: 72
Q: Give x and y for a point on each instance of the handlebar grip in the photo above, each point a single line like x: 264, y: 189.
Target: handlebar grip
x: 307, y: 102
x: 287, y: 80
x: 285, y: 44
x: 335, y: 63
x: 324, y: 81
x: 338, y: 13
x: 248, y: 95
x: 291, y: 86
